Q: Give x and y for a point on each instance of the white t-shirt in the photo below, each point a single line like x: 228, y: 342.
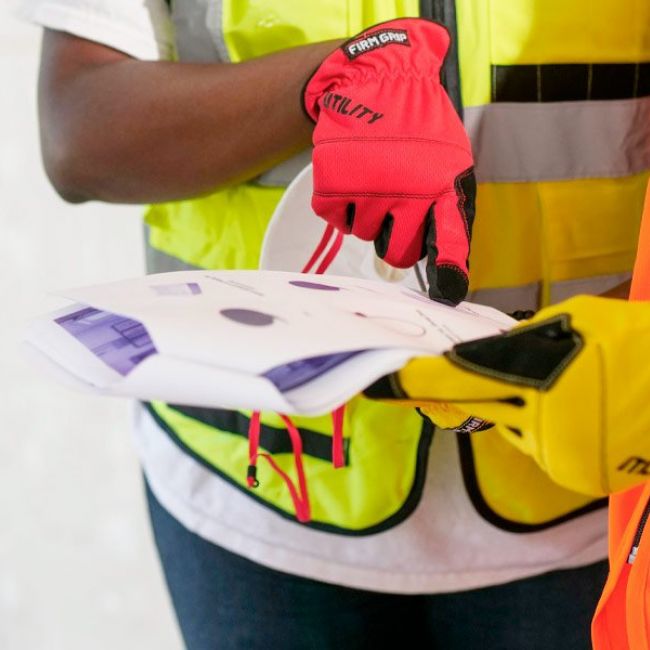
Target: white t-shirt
x: 443, y: 546
x: 139, y: 28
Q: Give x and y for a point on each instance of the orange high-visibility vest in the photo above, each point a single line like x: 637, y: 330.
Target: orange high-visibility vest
x: 622, y: 619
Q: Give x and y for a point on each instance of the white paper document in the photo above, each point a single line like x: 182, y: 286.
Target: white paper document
x: 263, y: 340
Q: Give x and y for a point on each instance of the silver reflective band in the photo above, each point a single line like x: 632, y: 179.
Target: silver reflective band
x: 528, y: 296
x: 283, y: 173
x: 517, y: 142
x: 197, y: 31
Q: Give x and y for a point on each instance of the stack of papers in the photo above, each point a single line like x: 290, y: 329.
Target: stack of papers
x: 262, y: 340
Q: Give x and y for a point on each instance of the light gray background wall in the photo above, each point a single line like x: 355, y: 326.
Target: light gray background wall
x: 77, y: 562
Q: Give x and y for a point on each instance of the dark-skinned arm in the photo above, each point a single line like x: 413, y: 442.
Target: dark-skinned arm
x: 117, y: 129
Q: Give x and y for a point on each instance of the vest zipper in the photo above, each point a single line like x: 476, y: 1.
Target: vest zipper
x: 639, y: 534
x: 444, y: 12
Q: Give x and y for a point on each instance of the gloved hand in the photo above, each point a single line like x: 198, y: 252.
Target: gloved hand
x: 392, y: 161
x: 569, y: 388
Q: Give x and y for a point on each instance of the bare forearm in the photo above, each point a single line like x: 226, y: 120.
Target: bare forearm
x: 123, y: 130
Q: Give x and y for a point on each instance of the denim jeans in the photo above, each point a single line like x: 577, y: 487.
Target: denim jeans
x: 226, y: 602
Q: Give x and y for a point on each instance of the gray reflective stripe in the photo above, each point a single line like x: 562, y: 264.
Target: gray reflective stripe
x: 516, y: 142
x: 528, y: 296
x: 508, y: 299
x: 158, y: 262
x: 282, y: 174
x: 563, y: 290
x: 198, y: 36
x: 197, y: 31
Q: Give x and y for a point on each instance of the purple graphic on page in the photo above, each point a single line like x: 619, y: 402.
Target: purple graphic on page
x: 180, y: 289
x: 318, y: 286
x: 248, y: 317
x: 121, y: 343
x: 297, y: 373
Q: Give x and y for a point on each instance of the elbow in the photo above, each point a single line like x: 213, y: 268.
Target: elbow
x: 69, y: 192
x: 65, y: 173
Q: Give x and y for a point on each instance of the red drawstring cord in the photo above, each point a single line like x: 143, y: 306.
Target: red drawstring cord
x: 300, y: 499
x: 338, y: 455
x: 331, y: 253
x: 300, y: 496
x: 327, y: 234
x: 320, y: 248
x: 253, y: 446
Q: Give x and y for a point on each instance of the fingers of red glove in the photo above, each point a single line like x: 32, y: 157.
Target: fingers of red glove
x: 397, y: 227
x: 362, y: 217
x: 339, y: 211
x: 448, y: 239
x: 400, y: 240
x: 447, y: 283
x: 370, y: 215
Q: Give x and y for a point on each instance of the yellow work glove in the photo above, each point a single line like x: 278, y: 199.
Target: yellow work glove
x: 570, y: 388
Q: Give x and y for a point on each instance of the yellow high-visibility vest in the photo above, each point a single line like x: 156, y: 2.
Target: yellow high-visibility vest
x: 556, y: 99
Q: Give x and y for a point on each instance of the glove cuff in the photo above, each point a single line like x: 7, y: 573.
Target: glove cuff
x: 415, y: 44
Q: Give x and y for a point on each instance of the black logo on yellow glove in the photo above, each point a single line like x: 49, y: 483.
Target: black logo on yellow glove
x: 635, y: 465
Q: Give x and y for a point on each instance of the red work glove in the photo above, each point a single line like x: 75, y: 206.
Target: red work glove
x: 392, y: 161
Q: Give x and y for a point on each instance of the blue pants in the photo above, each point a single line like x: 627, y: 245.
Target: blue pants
x: 225, y: 602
